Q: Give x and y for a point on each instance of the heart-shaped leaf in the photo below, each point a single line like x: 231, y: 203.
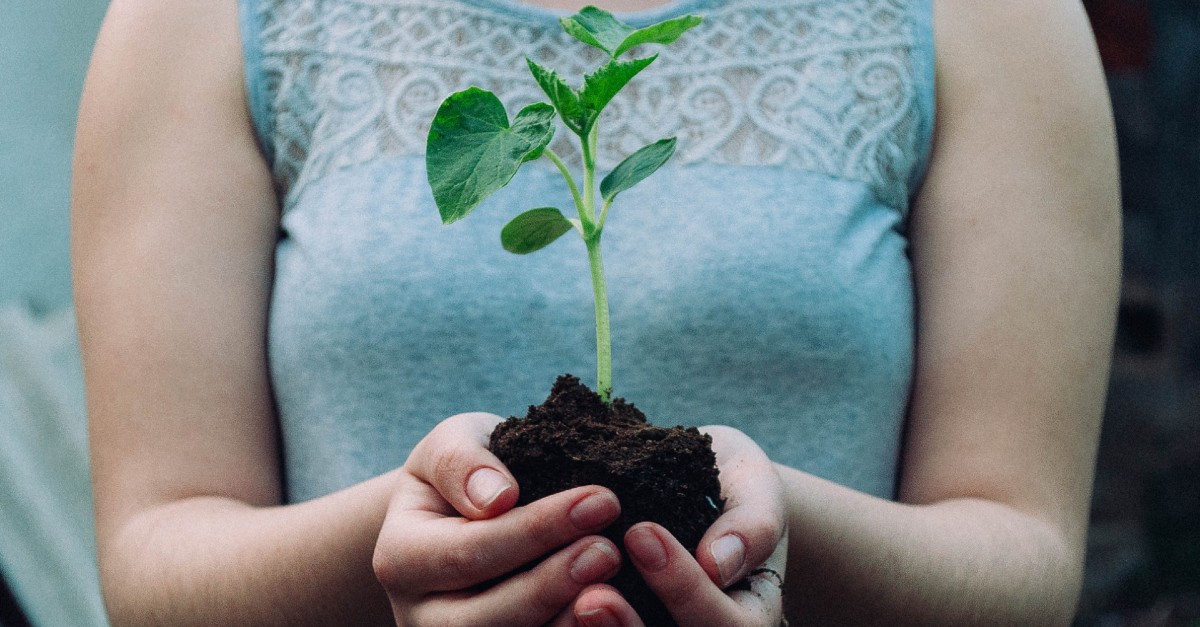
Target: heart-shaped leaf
x: 599, y: 28
x: 637, y: 167
x: 472, y: 151
x: 534, y: 230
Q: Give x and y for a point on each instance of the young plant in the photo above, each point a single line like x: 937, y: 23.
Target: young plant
x: 473, y: 151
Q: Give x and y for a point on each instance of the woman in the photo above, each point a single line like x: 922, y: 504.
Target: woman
x: 269, y: 325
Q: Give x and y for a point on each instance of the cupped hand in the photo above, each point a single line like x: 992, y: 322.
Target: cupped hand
x: 454, y: 551
x: 746, y: 545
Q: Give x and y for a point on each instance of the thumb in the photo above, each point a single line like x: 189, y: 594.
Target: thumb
x: 454, y: 459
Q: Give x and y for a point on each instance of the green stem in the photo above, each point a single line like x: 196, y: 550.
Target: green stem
x: 566, y: 174
x: 588, y: 145
x: 591, y: 139
x: 603, y: 337
x: 589, y: 196
x: 603, y: 214
x: 599, y: 290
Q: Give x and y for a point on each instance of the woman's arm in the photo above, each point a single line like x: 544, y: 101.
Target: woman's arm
x: 174, y: 226
x: 1015, y: 246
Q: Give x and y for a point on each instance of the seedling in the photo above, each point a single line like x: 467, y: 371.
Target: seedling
x: 473, y: 151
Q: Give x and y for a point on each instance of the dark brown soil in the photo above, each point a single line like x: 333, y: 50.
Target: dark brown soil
x: 667, y: 476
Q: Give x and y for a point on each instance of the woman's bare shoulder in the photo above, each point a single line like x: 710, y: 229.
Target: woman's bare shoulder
x: 173, y: 57
x: 1035, y: 44
x: 1021, y: 93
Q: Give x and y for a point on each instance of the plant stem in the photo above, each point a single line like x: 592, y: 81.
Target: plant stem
x: 599, y: 289
x: 589, y: 177
x: 603, y: 214
x: 566, y: 174
x: 603, y: 337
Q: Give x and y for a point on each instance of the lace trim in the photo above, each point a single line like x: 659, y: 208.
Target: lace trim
x: 818, y: 85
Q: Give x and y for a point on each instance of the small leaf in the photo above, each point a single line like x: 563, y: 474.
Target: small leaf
x: 472, y: 151
x: 600, y: 86
x: 599, y: 28
x: 564, y: 99
x: 534, y: 230
x: 637, y: 167
x: 662, y: 33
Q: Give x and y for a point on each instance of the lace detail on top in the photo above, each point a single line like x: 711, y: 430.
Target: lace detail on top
x: 829, y: 86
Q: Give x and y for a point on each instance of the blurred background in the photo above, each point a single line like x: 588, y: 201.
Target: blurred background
x: 47, y: 555
x: 1143, y: 564
x: 1144, y: 547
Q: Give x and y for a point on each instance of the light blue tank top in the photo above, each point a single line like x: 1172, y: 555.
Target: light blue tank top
x: 760, y: 279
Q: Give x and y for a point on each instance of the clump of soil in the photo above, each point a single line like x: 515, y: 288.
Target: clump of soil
x: 664, y: 475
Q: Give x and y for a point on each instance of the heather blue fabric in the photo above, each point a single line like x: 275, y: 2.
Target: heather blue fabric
x: 773, y: 297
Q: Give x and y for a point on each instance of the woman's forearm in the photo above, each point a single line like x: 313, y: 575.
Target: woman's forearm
x: 859, y: 560
x: 215, y: 561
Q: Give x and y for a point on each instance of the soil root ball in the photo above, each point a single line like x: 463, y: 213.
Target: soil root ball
x: 663, y: 475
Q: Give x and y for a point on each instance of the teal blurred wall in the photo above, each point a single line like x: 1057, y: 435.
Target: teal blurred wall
x: 44, y: 50
x: 46, y: 547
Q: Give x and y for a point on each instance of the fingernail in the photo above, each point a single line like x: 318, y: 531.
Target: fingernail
x: 486, y: 485
x: 595, y: 563
x: 599, y: 617
x: 646, y: 549
x: 729, y: 552
x: 595, y: 511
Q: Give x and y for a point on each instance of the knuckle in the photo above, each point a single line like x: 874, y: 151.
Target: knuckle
x: 450, y: 467
x: 547, y: 604
x: 548, y: 588
x: 546, y: 528
x: 482, y: 419
x: 385, y: 566
x: 683, y: 592
x: 442, y: 446
x: 762, y: 535
x: 461, y: 562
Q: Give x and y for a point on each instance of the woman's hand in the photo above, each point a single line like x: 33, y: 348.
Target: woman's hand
x: 451, y: 532
x: 749, y: 540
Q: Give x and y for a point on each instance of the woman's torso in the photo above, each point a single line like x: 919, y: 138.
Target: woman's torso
x: 760, y: 279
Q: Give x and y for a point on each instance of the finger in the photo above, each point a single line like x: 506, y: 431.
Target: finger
x: 565, y: 618
x: 603, y: 606
x: 533, y: 597
x: 763, y: 597
x: 686, y: 590
x: 423, y: 552
x: 454, y: 459
x: 752, y: 526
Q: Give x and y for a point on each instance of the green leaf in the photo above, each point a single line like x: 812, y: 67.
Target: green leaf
x: 564, y: 99
x: 637, y: 167
x: 597, y: 27
x: 534, y: 230
x: 600, y: 86
x: 662, y: 33
x: 472, y: 151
